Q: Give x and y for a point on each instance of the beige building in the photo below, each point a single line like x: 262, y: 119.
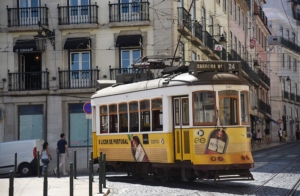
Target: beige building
x: 46, y: 78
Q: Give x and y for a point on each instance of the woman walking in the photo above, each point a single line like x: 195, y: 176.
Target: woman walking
x: 45, y: 156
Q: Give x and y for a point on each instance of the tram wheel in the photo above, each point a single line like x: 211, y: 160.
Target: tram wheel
x: 163, y: 175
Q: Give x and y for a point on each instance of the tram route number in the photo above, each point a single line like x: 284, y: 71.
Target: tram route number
x: 200, y: 140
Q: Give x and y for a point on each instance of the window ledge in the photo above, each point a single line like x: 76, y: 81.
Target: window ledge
x: 129, y: 23
x: 78, y: 26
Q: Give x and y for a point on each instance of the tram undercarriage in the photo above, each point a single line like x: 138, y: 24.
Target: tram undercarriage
x: 183, y: 170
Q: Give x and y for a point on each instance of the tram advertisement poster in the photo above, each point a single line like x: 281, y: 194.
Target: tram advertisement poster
x: 217, y: 142
x: 138, y: 152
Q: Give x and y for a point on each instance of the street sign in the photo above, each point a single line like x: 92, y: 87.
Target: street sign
x: 218, y: 47
x: 87, y: 108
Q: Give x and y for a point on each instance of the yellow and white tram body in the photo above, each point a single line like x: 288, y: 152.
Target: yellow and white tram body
x: 182, y: 125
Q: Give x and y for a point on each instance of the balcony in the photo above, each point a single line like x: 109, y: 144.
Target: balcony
x: 197, y: 37
x: 298, y: 98
x: 245, y: 4
x: 74, y: 79
x: 262, y: 106
x: 116, y: 71
x: 184, y: 22
x: 268, y: 109
x: 289, y: 44
x: 24, y: 17
x: 286, y: 95
x: 261, y: 14
x: 263, y: 77
x: 209, y: 46
x: 84, y: 14
x: 28, y: 81
x: 292, y: 96
x: 137, y: 13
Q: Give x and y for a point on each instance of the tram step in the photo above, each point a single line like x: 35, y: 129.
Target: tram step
x: 237, y: 176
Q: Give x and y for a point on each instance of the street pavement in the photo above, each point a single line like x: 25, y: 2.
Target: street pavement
x: 33, y: 186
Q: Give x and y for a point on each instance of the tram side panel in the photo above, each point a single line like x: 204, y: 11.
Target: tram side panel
x: 147, y: 147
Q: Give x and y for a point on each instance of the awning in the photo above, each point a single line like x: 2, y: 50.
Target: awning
x: 77, y: 43
x: 28, y: 45
x: 129, y: 40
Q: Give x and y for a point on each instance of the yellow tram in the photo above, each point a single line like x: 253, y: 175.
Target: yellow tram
x: 193, y: 122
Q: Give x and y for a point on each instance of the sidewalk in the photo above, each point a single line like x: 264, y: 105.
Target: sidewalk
x: 33, y: 186
x: 265, y: 146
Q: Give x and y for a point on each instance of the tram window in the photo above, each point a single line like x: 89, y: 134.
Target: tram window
x: 103, y: 119
x: 185, y: 111
x: 145, y: 115
x: 113, y: 119
x: 244, y: 107
x: 134, y: 117
x: 157, y: 115
x: 176, y: 109
x: 228, y: 111
x: 204, y: 107
x: 123, y: 117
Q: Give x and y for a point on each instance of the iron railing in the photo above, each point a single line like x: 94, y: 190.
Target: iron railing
x: 268, y: 109
x: 262, y: 16
x: 135, y: 11
x: 289, y: 44
x: 286, y: 95
x: 292, y: 96
x: 298, y: 98
x: 150, y: 73
x: 70, y: 79
x: 198, y: 30
x: 27, y: 16
x: 77, y: 14
x: 263, y: 77
x: 262, y: 106
x: 224, y: 54
x: 184, y: 18
x: 28, y: 81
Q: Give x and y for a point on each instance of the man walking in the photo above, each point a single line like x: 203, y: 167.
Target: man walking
x: 280, y: 135
x: 62, y: 149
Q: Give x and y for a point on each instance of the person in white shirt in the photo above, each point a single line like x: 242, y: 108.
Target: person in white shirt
x: 280, y: 135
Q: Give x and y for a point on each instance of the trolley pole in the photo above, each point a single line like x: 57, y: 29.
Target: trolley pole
x: 16, y: 164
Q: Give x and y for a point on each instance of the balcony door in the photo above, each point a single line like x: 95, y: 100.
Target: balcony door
x: 79, y: 11
x: 80, y: 73
x: 130, y: 10
x: 29, y: 12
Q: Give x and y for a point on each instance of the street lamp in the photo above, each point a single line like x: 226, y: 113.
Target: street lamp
x: 222, y: 40
x: 255, y: 64
x: 41, y: 39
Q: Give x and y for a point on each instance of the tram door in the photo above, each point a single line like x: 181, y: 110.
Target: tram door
x: 181, y: 124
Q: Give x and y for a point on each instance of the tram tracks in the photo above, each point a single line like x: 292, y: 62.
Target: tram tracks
x: 262, y: 185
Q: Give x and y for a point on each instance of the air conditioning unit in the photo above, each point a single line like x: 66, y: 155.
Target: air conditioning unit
x: 274, y: 40
x: 1, y: 113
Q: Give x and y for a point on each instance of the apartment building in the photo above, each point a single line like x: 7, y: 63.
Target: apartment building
x: 284, y: 60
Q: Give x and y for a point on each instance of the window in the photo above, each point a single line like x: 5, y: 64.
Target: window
x: 203, y: 17
x: 181, y: 50
x: 129, y: 56
x: 31, y: 122
x: 288, y: 34
x: 284, y: 110
x: 194, y: 56
x: 157, y: 115
x: 281, y: 31
x: 211, y: 25
x: 239, y: 15
x: 219, y: 29
x: 185, y: 111
x: 290, y: 111
x: 234, y: 9
x: 145, y: 115
x: 80, y: 69
x: 228, y: 107
x: 204, y: 107
x: 296, y: 89
x: 80, y: 127
x: 134, y: 116
x: 230, y: 6
x: 123, y: 118
x: 244, y: 105
x: 235, y: 44
x: 295, y: 65
x: 103, y: 119
x: 283, y: 60
x: 243, y: 23
x: 296, y: 113
x: 77, y: 9
x: 289, y: 62
x: 29, y: 16
x: 224, y: 5
x: 239, y: 49
x: 231, y: 41
x: 113, y: 119
x: 293, y: 37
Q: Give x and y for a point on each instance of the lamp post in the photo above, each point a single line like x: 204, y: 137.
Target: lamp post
x: 41, y: 39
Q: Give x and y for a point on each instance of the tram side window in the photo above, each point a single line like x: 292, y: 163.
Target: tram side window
x: 123, y: 117
x: 185, y: 111
x: 103, y: 119
x: 157, y: 115
x: 134, y: 117
x: 204, y: 107
x: 113, y: 119
x: 228, y: 111
x: 145, y: 115
x: 176, y: 109
x: 244, y: 107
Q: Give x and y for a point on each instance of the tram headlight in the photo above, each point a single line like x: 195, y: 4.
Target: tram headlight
x: 213, y: 158
x: 247, y: 157
x: 220, y: 159
x: 243, y: 157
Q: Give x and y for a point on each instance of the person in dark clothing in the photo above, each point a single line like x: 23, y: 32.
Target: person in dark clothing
x: 62, y: 149
x: 267, y: 134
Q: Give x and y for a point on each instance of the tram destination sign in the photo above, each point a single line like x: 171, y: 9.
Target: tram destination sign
x: 215, y: 66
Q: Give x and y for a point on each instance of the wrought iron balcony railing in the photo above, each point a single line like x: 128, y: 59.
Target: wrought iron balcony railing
x: 70, y: 79
x: 292, y: 96
x: 184, y: 18
x: 286, y: 95
x: 198, y: 30
x: 298, y: 98
x: 77, y: 14
x: 263, y: 77
x: 268, y: 109
x: 135, y: 11
x: 289, y: 44
x: 262, y: 106
x: 27, y: 16
x: 28, y: 81
x: 115, y: 71
x: 262, y: 16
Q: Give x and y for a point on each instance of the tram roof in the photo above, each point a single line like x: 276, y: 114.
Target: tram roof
x: 201, y: 78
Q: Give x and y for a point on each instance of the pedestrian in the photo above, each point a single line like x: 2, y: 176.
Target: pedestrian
x: 45, y: 156
x: 253, y: 138
x: 62, y: 149
x: 267, y: 134
x: 280, y: 135
x: 258, y: 138
x: 297, y: 133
